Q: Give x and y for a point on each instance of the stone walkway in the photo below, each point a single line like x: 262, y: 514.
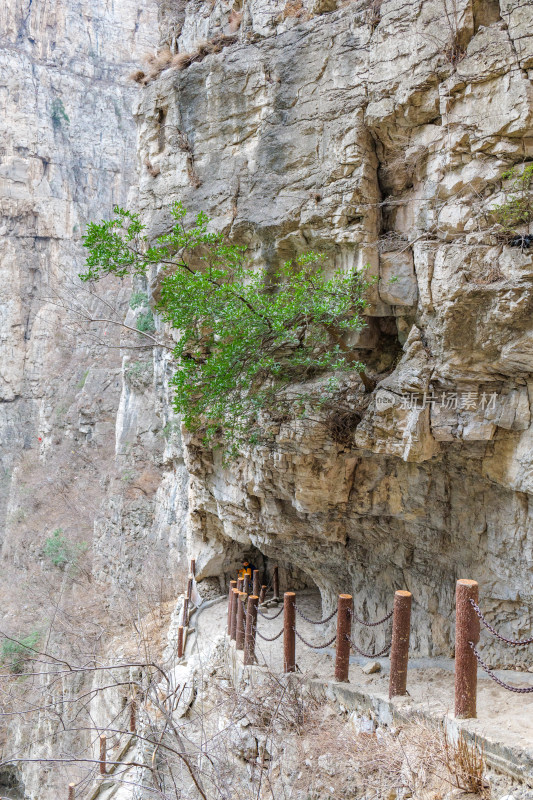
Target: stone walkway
x: 505, y: 719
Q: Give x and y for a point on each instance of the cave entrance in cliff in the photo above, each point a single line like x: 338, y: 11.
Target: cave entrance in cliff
x: 291, y: 576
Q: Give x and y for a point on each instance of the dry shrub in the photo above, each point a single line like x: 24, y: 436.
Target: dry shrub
x: 293, y: 8
x: 453, y: 52
x: 193, y: 176
x: 420, y: 758
x: 138, y: 76
x: 373, y: 14
x: 182, y: 142
x: 164, y: 59
x: 157, y: 63
x: 341, y: 426
x: 182, y: 60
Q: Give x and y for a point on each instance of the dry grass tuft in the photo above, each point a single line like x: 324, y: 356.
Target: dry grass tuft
x: 138, y: 76
x: 164, y: 59
x: 293, y: 8
x: 466, y: 764
x: 234, y: 21
x: 420, y: 758
x: 182, y: 60
x: 156, y: 63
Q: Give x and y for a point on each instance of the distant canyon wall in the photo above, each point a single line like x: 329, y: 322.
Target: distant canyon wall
x: 377, y: 133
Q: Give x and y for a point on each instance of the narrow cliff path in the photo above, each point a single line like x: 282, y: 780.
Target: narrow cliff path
x: 505, y: 719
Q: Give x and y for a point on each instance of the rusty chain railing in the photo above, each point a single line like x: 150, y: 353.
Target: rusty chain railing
x: 356, y: 649
x: 484, y: 666
x: 367, y: 624
x: 244, y: 632
x: 488, y: 626
x: 372, y: 624
x: 315, y: 621
x: 268, y: 638
x: 314, y: 646
x: 490, y: 673
x: 265, y: 616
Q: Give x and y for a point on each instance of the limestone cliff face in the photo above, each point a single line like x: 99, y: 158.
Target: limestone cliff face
x: 67, y: 154
x: 378, y: 133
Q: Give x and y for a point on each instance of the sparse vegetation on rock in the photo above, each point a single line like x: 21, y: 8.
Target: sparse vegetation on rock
x: 515, y: 214
x: 58, y: 113
x: 15, y: 652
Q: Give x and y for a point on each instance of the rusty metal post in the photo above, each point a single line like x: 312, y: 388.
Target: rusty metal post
x: 189, y: 589
x: 262, y: 594
x: 275, y: 583
x: 239, y: 638
x: 342, y: 645
x: 256, y: 583
x: 103, y: 755
x: 235, y: 603
x: 466, y: 630
x: 289, y: 637
x: 72, y: 791
x: 193, y: 567
x: 232, y: 586
x: 251, y: 625
x: 133, y: 716
x: 180, y: 641
x: 185, y: 616
x: 399, y: 654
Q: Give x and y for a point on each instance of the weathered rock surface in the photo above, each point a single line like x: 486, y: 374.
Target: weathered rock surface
x: 378, y: 133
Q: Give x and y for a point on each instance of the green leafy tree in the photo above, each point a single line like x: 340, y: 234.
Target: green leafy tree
x: 245, y: 336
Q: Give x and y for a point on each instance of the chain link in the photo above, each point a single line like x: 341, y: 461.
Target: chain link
x: 512, y: 642
x: 314, y: 646
x: 267, y: 617
x: 369, y: 655
x: 491, y: 674
x: 315, y: 621
x: 371, y: 624
x: 268, y: 639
